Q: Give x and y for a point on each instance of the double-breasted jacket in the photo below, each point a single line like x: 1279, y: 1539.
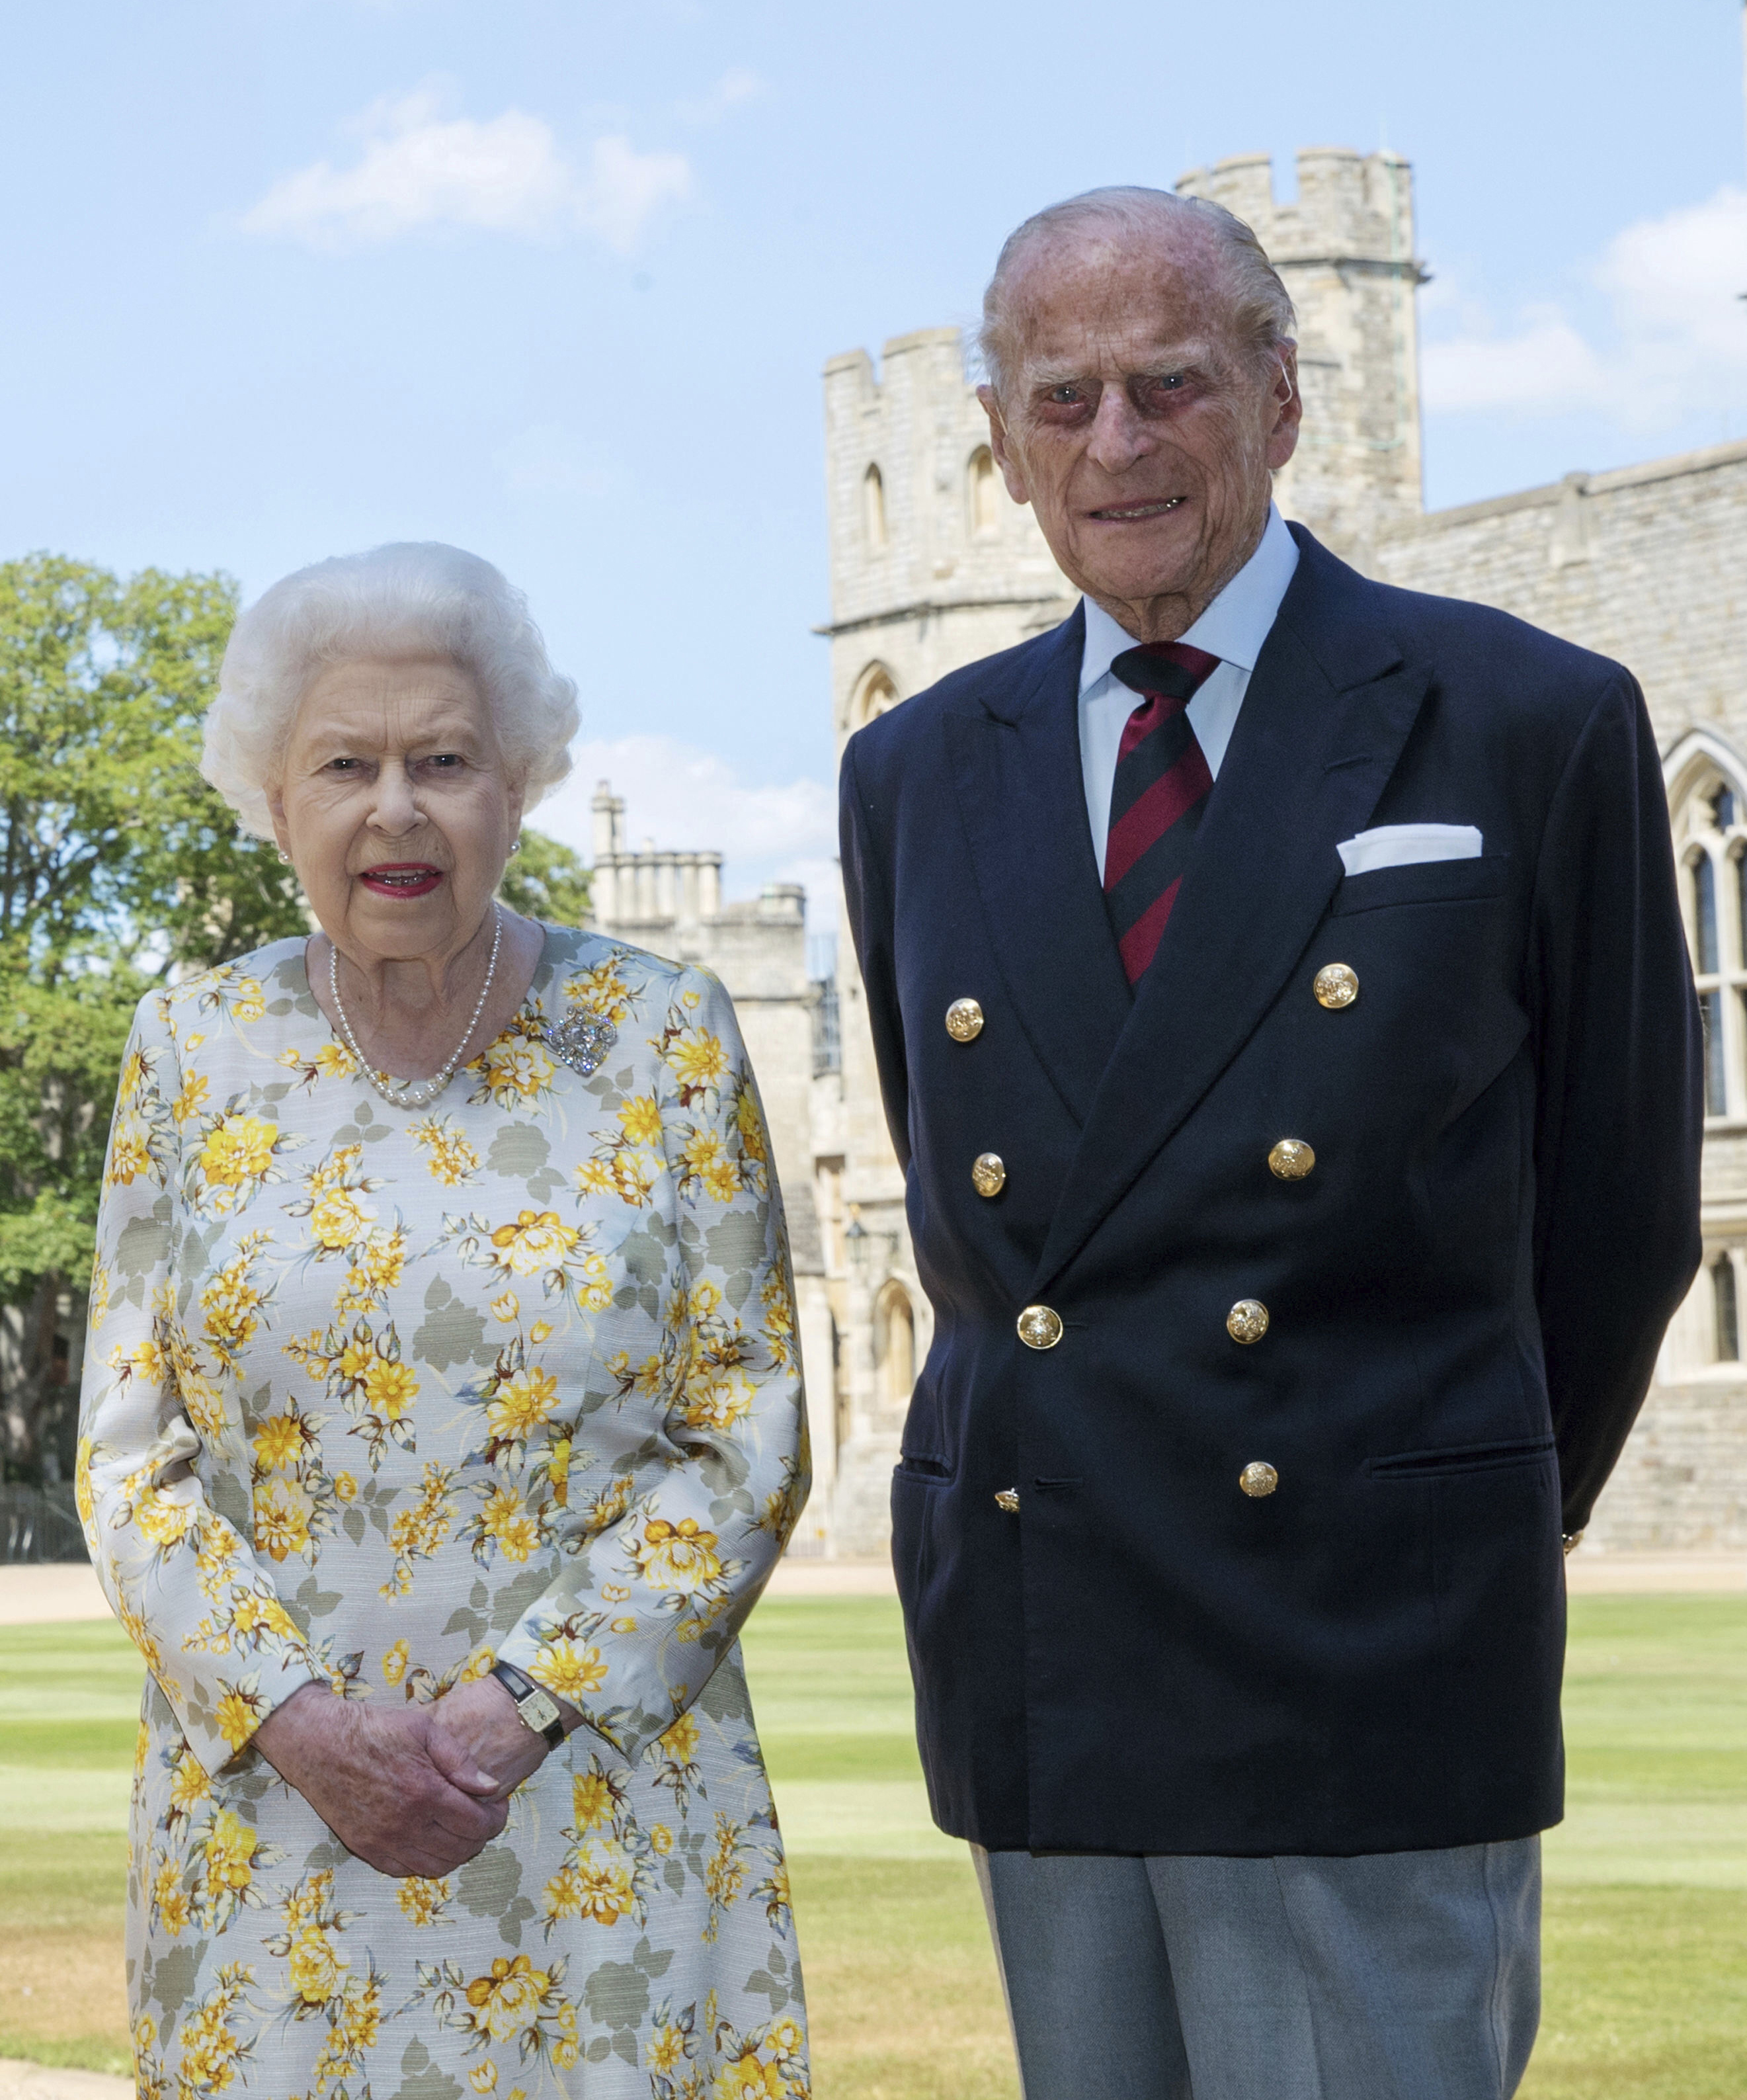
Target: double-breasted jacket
x: 1260, y: 1552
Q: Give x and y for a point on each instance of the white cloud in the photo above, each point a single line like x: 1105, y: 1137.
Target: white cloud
x: 1547, y: 364
x: 1677, y: 343
x: 678, y: 795
x: 420, y: 170
x: 739, y: 84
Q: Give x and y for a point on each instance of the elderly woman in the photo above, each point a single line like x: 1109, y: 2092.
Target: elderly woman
x: 443, y: 1422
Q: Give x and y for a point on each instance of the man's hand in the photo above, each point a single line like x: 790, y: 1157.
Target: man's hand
x: 483, y: 1728
x: 394, y: 1787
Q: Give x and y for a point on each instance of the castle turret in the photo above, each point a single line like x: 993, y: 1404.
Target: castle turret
x: 1345, y: 252
x: 932, y: 563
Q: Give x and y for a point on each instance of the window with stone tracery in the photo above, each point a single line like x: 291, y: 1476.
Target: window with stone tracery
x: 896, y: 1345
x: 1705, y: 1336
x: 984, y: 494
x: 1711, y: 841
x: 874, y: 694
x: 1725, y: 1302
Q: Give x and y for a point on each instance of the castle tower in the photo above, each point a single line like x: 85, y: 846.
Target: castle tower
x: 932, y: 564
x: 1345, y: 252
x: 670, y: 902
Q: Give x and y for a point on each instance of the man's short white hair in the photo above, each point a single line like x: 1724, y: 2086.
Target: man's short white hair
x: 1260, y: 309
x: 414, y: 597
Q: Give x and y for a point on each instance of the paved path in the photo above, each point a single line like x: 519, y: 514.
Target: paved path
x: 41, y: 1596
x: 35, y: 2081
x: 1627, y: 1574
x: 36, y: 1596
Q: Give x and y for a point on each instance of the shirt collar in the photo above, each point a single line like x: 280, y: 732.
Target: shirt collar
x: 1233, y: 628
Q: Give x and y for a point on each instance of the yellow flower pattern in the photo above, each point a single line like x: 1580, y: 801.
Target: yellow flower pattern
x: 381, y: 1397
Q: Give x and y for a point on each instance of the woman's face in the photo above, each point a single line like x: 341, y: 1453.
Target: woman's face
x: 395, y: 807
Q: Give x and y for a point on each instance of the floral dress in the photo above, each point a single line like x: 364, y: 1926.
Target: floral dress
x: 375, y: 1395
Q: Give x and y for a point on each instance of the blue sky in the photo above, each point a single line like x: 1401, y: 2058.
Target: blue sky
x: 556, y: 281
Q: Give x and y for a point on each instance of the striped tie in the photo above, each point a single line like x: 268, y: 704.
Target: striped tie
x: 1161, y: 788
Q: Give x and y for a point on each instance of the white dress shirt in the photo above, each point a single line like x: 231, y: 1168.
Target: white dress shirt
x: 1233, y: 628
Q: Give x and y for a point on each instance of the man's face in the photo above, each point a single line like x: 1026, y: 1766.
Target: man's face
x: 1139, y: 429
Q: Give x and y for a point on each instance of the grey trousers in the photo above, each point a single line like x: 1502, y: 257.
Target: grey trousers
x: 1394, y: 1976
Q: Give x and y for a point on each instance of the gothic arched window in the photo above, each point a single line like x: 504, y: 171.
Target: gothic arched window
x: 1724, y: 1307
x: 874, y: 693
x: 896, y: 1346
x: 1711, y: 840
x: 873, y: 510
x: 984, y: 495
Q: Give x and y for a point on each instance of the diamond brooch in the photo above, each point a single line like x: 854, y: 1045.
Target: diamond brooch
x: 581, y: 1040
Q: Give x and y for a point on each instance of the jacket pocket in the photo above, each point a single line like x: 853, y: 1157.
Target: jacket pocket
x: 1461, y: 1458
x: 927, y: 1469
x: 1424, y: 882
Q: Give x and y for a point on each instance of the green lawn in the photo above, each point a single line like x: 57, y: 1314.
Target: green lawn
x: 1647, y: 1880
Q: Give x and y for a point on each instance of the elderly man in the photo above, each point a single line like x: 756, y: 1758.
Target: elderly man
x: 1286, y: 1029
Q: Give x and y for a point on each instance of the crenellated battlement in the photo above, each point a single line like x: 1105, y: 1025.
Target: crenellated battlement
x: 1351, y: 207
x: 1344, y: 250
x: 932, y: 562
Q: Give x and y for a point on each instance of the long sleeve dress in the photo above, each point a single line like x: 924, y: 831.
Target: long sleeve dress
x: 376, y: 1394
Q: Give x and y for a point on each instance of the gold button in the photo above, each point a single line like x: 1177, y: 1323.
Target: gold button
x: 1292, y: 1159
x: 1008, y: 1499
x: 989, y: 1174
x: 1258, y: 1478
x: 1337, y: 985
x: 1247, y: 1321
x: 964, y: 1021
x: 1040, y: 1327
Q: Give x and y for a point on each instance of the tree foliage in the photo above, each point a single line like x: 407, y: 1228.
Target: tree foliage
x: 117, y: 863
x: 546, y: 881
x: 112, y: 846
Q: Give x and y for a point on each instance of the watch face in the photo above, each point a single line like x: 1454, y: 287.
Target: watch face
x: 539, y: 1711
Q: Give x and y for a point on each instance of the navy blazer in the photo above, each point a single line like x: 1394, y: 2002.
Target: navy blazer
x: 1466, y: 1295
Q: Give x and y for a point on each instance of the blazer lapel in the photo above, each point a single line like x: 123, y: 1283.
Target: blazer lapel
x: 1021, y: 795
x: 1329, y: 709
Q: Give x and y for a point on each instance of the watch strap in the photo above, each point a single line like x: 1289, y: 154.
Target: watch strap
x: 521, y: 1687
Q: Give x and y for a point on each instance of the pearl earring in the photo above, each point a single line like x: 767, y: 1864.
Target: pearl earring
x: 515, y: 845
x: 285, y: 857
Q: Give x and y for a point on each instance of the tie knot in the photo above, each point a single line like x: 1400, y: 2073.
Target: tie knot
x: 1177, y: 669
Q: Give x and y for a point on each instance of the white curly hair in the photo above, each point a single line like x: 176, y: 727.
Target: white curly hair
x: 413, y: 597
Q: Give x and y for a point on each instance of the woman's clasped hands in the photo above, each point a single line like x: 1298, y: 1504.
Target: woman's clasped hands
x: 412, y: 1790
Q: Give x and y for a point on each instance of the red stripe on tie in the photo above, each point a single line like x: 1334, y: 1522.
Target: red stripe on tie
x: 1139, y: 944
x: 1153, y: 712
x: 1153, y: 813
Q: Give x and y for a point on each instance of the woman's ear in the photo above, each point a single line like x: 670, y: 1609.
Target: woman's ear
x: 276, y: 811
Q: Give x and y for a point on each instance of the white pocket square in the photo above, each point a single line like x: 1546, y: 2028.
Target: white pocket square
x: 1399, y: 845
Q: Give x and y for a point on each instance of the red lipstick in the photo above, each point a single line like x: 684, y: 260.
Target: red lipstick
x: 398, y: 878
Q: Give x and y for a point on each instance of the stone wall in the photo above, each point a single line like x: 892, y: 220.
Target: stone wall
x: 1647, y: 564
x: 1681, y: 1484
x: 1344, y: 251
x: 670, y: 904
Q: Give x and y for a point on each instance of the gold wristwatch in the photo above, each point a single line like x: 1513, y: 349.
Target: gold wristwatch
x: 539, y: 1710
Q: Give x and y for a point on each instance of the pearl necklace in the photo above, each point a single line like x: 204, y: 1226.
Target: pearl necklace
x: 414, y: 1093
